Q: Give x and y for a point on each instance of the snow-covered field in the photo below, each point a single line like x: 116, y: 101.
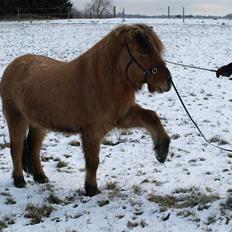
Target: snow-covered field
x: 192, y: 191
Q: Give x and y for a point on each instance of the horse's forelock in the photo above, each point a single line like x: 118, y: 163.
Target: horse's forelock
x: 122, y: 30
x: 153, y: 36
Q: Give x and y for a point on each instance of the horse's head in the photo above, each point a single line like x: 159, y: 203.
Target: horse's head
x: 142, y: 58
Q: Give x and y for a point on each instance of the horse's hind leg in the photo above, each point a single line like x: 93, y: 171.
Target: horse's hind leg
x: 17, y: 126
x: 31, y: 159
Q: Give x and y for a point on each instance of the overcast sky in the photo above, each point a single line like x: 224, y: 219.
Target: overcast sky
x: 156, y: 7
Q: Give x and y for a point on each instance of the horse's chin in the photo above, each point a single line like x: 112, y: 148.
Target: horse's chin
x: 158, y: 89
x: 155, y: 90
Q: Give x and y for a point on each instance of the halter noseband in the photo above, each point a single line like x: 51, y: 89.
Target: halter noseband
x: 146, y: 72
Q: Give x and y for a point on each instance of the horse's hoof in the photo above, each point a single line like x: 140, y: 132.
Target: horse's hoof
x: 40, y: 178
x: 161, y: 149
x: 19, y: 182
x: 91, y: 190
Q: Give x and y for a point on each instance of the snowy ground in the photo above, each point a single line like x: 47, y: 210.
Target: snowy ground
x: 192, y: 191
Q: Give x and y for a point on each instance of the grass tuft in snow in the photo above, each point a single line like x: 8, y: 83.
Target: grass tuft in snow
x: 113, y: 187
x: 75, y: 143
x: 218, y: 140
x: 4, y: 145
x: 61, y: 164
x: 10, y: 201
x: 137, y: 189
x: 53, y: 199
x: 226, y: 207
x: 187, y: 199
x: 103, y: 203
x: 6, y: 221
x: 36, y: 213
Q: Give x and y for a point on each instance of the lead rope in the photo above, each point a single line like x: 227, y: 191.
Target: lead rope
x: 190, y: 66
x: 195, y: 124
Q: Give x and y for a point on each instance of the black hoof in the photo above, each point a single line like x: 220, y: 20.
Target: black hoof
x: 91, y: 190
x: 161, y: 149
x: 40, y: 178
x: 19, y: 182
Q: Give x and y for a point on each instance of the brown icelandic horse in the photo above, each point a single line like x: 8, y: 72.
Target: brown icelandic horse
x: 90, y: 95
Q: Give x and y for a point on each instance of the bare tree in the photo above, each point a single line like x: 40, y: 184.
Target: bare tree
x: 99, y: 8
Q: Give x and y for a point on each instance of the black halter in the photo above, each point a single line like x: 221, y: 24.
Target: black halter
x: 146, y: 72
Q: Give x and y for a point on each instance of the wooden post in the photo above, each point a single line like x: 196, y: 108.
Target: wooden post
x: 18, y: 16
x: 123, y: 15
x: 183, y: 15
x: 168, y: 11
x: 68, y: 14
x: 114, y: 11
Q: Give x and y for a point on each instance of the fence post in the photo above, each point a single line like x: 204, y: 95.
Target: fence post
x: 168, y: 11
x: 183, y: 15
x: 114, y: 11
x: 18, y: 16
x: 123, y: 15
x: 68, y: 14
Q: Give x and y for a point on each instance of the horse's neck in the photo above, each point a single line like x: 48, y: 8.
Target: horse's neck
x: 100, y: 57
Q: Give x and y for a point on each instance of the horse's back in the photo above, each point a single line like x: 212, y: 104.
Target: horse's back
x: 23, y: 70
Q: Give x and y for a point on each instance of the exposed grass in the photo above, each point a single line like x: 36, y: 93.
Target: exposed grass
x: 10, y: 201
x: 53, y: 199
x: 218, y: 140
x: 211, y: 220
x: 61, y: 164
x: 48, y: 187
x: 4, y: 145
x: 185, y: 190
x: 167, y: 201
x: 103, y: 203
x: 5, y: 194
x: 155, y: 182
x: 6, y: 221
x: 188, y: 213
x: 137, y: 189
x: 57, y: 159
x: 3, y: 225
x: 108, y: 142
x: 187, y: 200
x: 36, y: 213
x: 75, y: 143
x: 226, y: 208
x: 114, y: 189
x: 112, y: 186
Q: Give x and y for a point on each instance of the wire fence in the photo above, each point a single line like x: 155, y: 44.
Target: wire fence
x: 35, y: 13
x: 68, y: 12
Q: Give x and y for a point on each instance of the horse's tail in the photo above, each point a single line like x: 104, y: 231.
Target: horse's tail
x: 25, y: 156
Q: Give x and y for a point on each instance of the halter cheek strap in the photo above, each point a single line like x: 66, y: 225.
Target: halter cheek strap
x: 146, y: 72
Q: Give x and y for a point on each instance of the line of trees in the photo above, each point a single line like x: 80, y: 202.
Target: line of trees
x: 40, y: 7
x: 56, y: 8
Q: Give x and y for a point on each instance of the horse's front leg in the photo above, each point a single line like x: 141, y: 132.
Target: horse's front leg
x: 91, y: 140
x: 139, y: 117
